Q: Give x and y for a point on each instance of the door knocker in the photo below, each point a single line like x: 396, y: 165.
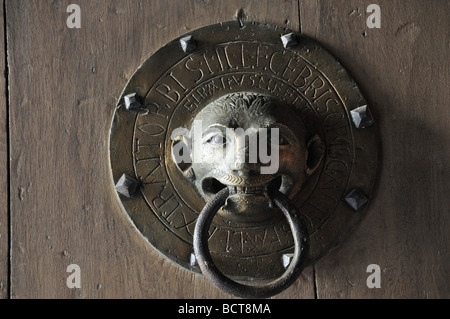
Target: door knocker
x: 243, y: 151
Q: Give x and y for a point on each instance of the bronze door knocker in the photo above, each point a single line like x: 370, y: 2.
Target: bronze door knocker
x: 243, y: 151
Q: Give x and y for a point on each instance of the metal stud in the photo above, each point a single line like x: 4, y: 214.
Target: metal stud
x: 188, y: 44
x: 361, y: 117
x: 193, y: 260
x: 127, y: 186
x: 287, y: 258
x: 133, y: 103
x: 289, y: 40
x: 356, y: 199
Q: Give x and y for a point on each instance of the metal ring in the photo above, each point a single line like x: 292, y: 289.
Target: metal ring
x: 210, y: 270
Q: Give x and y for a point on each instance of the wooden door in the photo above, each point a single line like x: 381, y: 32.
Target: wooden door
x: 57, y: 203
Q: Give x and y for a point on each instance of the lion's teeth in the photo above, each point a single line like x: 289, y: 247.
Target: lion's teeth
x: 232, y: 189
x: 246, y: 189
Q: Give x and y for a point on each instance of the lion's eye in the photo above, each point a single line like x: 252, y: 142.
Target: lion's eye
x: 216, y: 140
x: 282, y: 140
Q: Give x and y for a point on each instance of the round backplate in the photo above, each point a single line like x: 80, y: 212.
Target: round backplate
x: 180, y: 79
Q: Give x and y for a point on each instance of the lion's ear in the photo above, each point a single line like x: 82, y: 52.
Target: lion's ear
x: 181, y: 156
x: 316, y: 151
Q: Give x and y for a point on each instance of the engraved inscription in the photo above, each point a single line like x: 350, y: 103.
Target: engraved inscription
x: 175, y: 86
x: 237, y: 66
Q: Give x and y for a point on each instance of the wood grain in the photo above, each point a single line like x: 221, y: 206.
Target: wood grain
x: 403, y: 70
x: 64, y: 87
x: 4, y: 236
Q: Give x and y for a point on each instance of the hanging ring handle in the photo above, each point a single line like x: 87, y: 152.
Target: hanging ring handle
x: 210, y: 270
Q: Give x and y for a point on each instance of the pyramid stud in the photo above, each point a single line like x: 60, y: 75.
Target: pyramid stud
x: 193, y: 260
x: 356, y: 199
x: 127, y: 186
x: 133, y: 103
x: 361, y: 117
x: 188, y: 44
x: 287, y: 258
x: 289, y: 40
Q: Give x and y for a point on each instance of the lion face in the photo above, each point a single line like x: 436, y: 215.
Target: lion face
x: 249, y: 143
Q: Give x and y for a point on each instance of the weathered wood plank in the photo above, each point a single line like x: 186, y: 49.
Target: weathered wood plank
x: 403, y: 70
x: 4, y: 236
x: 64, y: 87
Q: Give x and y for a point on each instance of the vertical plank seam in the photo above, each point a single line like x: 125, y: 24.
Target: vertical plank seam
x: 299, y: 16
x: 8, y: 153
x: 315, y: 281
x: 299, y: 4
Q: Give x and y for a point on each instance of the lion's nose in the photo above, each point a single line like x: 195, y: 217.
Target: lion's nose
x: 244, y: 162
x: 243, y: 169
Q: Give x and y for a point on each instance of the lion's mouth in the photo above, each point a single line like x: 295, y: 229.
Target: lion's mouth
x: 211, y: 186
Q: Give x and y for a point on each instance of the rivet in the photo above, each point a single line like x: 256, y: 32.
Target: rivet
x: 127, y: 186
x: 193, y: 260
x: 356, y: 199
x: 287, y: 258
x: 133, y: 103
x: 289, y: 40
x: 361, y: 117
x: 188, y: 44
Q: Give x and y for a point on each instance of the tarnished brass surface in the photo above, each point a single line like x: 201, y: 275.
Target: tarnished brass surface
x: 327, y: 166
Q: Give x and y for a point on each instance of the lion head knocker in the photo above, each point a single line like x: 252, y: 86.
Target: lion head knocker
x: 246, y: 153
x: 249, y: 143
x: 246, y: 146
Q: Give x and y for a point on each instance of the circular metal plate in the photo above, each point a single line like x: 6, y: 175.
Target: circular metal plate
x: 179, y: 80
